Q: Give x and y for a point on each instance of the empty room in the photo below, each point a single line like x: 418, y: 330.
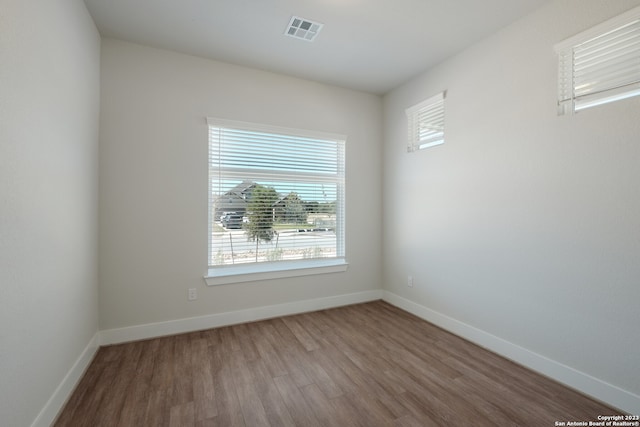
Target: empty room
x: 319, y: 213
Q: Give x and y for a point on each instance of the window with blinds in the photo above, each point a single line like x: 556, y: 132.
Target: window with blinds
x: 276, y: 196
x: 426, y: 123
x: 600, y: 65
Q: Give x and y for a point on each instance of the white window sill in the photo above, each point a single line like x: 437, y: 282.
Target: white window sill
x: 276, y: 270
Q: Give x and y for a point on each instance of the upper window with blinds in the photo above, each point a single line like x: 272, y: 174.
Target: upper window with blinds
x: 600, y: 65
x: 276, y: 198
x: 426, y: 123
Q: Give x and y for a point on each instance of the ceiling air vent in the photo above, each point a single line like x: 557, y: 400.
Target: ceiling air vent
x: 304, y: 29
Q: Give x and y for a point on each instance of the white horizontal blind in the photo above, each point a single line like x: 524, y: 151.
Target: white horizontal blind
x: 426, y: 123
x: 601, y: 65
x: 275, y: 194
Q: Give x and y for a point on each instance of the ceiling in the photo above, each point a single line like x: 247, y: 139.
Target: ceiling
x: 368, y: 45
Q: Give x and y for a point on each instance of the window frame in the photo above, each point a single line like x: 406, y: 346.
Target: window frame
x: 568, y: 102
x: 267, y: 270
x: 429, y: 113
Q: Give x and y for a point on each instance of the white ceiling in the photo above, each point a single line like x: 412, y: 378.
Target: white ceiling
x: 369, y: 45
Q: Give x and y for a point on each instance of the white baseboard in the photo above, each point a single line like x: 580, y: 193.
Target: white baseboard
x: 598, y: 389
x: 152, y: 330
x: 54, y: 405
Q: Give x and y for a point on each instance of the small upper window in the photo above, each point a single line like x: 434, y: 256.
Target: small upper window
x: 426, y: 123
x: 600, y: 65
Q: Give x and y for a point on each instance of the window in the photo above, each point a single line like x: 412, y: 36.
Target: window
x: 600, y: 65
x: 276, y: 202
x: 426, y: 123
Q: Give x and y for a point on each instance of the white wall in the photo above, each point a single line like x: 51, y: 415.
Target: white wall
x: 153, y: 181
x: 524, y: 225
x: 49, y: 108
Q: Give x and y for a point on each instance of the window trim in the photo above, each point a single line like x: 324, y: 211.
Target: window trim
x: 225, y: 275
x: 250, y: 272
x: 565, y: 49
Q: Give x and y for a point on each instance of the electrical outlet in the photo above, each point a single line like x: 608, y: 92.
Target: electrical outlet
x: 193, y: 294
x: 410, y: 281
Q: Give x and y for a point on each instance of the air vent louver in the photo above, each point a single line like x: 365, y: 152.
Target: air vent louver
x: 304, y: 29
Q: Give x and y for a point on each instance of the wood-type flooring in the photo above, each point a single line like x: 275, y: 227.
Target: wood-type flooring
x: 363, y: 365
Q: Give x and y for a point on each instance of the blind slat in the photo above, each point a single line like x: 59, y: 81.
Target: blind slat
x: 426, y: 123
x: 275, y: 194
x: 602, y: 67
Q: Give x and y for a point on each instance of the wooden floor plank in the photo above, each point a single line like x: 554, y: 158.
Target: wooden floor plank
x: 319, y: 376
x: 182, y: 387
x: 300, y: 333
x: 157, y: 411
x: 252, y: 408
x: 266, y: 351
x: 299, y: 408
x: 274, y: 405
x: 227, y: 402
x: 136, y: 398
x: 409, y: 421
x: 241, y: 332
x: 322, y: 408
x: 182, y: 415
x: 204, y: 397
x: 369, y: 365
x: 288, y: 339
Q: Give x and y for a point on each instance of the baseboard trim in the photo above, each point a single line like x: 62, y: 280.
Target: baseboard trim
x: 152, y: 330
x: 598, y: 389
x: 58, y: 399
